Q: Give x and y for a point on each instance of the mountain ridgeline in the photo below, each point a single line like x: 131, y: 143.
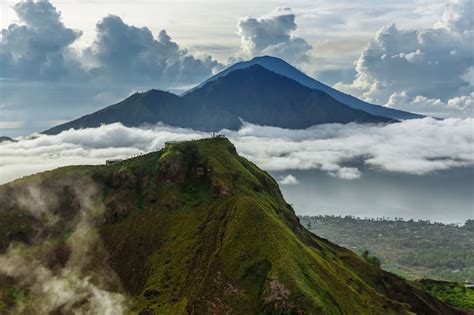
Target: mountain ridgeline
x: 281, y: 67
x: 253, y: 94
x: 191, y: 229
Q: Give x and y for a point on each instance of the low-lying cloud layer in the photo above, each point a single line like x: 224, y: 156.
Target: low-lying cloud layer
x: 343, y: 151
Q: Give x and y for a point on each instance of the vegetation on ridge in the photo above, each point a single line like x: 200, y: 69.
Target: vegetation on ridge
x: 412, y: 249
x: 194, y: 228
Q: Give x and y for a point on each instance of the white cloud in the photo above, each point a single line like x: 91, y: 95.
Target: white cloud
x: 37, y: 49
x: 40, y: 49
x: 422, y: 70
x: 346, y: 173
x: 344, y: 151
x: 127, y: 53
x: 288, y: 180
x: 460, y: 106
x: 273, y: 35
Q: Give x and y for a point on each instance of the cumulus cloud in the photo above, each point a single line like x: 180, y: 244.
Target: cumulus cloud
x: 288, y: 180
x: 39, y: 48
x: 423, y: 70
x: 128, y: 53
x: 344, y: 151
x: 273, y: 35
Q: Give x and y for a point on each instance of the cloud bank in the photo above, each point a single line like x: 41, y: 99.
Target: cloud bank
x: 343, y: 151
x: 429, y: 71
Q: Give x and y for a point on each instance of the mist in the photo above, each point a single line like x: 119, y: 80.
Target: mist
x: 55, y: 264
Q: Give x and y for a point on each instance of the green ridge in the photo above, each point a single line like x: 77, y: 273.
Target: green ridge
x: 195, y: 228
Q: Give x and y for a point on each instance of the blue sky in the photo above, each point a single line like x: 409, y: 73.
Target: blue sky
x: 62, y: 59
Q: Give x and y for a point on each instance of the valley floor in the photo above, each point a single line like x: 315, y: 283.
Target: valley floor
x: 413, y: 249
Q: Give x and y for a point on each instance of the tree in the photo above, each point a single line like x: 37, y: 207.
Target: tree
x: 469, y: 225
x: 371, y: 259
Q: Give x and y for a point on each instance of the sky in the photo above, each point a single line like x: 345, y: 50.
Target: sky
x: 63, y: 59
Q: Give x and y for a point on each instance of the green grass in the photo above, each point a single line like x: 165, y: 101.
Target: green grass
x: 452, y: 293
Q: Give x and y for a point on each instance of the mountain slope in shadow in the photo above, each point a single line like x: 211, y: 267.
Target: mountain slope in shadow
x: 253, y: 94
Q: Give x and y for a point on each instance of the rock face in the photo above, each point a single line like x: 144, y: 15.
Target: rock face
x: 196, y: 229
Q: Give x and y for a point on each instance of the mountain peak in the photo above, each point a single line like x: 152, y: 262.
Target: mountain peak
x: 254, y: 93
x: 268, y: 58
x: 282, y: 67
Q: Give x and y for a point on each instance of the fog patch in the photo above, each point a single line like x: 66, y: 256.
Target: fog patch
x: 37, y: 203
x: 288, y: 180
x: 63, y: 269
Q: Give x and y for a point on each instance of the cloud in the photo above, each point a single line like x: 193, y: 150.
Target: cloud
x: 273, y: 35
x: 10, y: 124
x: 422, y: 70
x: 420, y: 147
x: 346, y: 173
x: 459, y: 105
x: 125, y: 52
x: 37, y: 49
x: 288, y: 180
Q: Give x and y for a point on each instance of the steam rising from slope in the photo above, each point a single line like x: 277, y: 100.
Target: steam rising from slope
x: 414, y: 147
x: 59, y: 272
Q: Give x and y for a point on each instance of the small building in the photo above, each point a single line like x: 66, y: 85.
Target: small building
x: 217, y: 135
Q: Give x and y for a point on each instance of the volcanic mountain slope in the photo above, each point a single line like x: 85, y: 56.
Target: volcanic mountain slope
x: 193, y: 228
x: 254, y: 94
x: 281, y: 67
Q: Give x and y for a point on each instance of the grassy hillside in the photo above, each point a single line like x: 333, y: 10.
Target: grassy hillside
x: 194, y: 228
